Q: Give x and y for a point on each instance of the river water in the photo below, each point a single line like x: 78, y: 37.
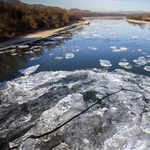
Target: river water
x: 86, y: 87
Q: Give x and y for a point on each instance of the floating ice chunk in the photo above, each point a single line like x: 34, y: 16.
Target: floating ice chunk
x: 119, y: 50
x: 147, y: 68
x: 35, y: 58
x: 140, y: 61
x: 28, y: 71
x: 23, y: 46
x: 134, y: 37
x: 97, y: 35
x: 123, y: 48
x: 145, y: 122
x: 36, y: 50
x: 85, y: 33
x: 122, y: 64
x: 139, y: 50
x: 69, y: 55
x: 51, y: 54
x: 59, y: 37
x: 112, y: 33
x: 147, y: 56
x: 124, y: 59
x: 105, y: 63
x: 147, y: 39
x: 113, y: 47
x: 116, y: 37
x: 92, y: 48
x: 58, y: 57
x: 49, y: 42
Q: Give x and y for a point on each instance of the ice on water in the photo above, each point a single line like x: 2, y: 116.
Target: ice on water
x: 125, y: 65
x: 105, y: 63
x: 120, y: 49
x: 140, y: 61
x: 135, y: 37
x: 58, y: 57
x: 69, y: 55
x: 117, y: 122
x: 147, y: 68
x: 28, y: 71
x: 35, y: 58
x: 92, y: 47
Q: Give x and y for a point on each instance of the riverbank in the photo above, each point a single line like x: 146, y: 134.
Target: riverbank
x: 137, y: 21
x: 35, y: 36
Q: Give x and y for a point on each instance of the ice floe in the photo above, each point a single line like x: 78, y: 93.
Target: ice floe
x: 23, y: 46
x: 147, y: 68
x: 140, y: 61
x: 135, y: 37
x: 92, y: 48
x: 69, y: 55
x: 98, y: 35
x: 118, y: 121
x: 35, y: 58
x: 125, y: 65
x: 105, y: 63
x: 51, y: 54
x: 28, y: 71
x: 49, y: 42
x: 118, y: 50
x: 58, y: 57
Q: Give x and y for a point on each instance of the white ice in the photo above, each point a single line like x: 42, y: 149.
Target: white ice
x: 105, y: 63
x: 147, y: 68
x: 35, y: 58
x: 28, y: 71
x: 58, y: 57
x: 140, y: 61
x: 134, y: 37
x: 69, y: 55
x: 92, y: 47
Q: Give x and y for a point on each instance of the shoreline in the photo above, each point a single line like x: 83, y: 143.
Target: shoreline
x: 35, y: 36
x: 138, y: 21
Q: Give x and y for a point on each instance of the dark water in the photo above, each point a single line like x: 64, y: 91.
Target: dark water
x: 82, y: 47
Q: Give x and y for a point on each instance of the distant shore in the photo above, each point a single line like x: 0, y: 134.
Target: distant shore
x: 35, y: 36
x: 138, y: 21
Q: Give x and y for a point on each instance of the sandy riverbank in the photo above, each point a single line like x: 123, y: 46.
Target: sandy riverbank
x: 34, y: 36
x: 138, y: 21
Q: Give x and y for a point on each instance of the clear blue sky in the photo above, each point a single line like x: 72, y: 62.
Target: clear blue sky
x: 96, y: 5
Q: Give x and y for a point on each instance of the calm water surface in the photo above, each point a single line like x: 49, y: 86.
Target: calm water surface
x: 125, y: 45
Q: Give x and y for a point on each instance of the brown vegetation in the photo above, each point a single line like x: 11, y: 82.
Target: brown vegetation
x: 88, y: 14
x: 143, y: 17
x: 16, y: 17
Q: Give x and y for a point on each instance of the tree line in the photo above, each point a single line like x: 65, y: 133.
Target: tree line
x: 16, y: 17
x: 92, y: 14
x: 143, y: 16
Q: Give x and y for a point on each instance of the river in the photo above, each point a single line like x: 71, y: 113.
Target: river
x: 86, y: 87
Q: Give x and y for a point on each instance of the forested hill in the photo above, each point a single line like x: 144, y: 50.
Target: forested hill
x: 16, y: 17
x: 143, y: 16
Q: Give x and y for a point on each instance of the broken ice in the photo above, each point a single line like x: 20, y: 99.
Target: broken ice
x: 140, y: 61
x: 69, y: 55
x: 147, y: 68
x: 92, y: 47
x: 28, y: 71
x: 58, y: 57
x: 105, y: 63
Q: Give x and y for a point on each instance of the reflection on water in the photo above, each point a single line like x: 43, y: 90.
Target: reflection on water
x: 110, y: 39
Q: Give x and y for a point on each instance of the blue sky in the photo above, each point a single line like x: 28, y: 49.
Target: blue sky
x: 97, y: 5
